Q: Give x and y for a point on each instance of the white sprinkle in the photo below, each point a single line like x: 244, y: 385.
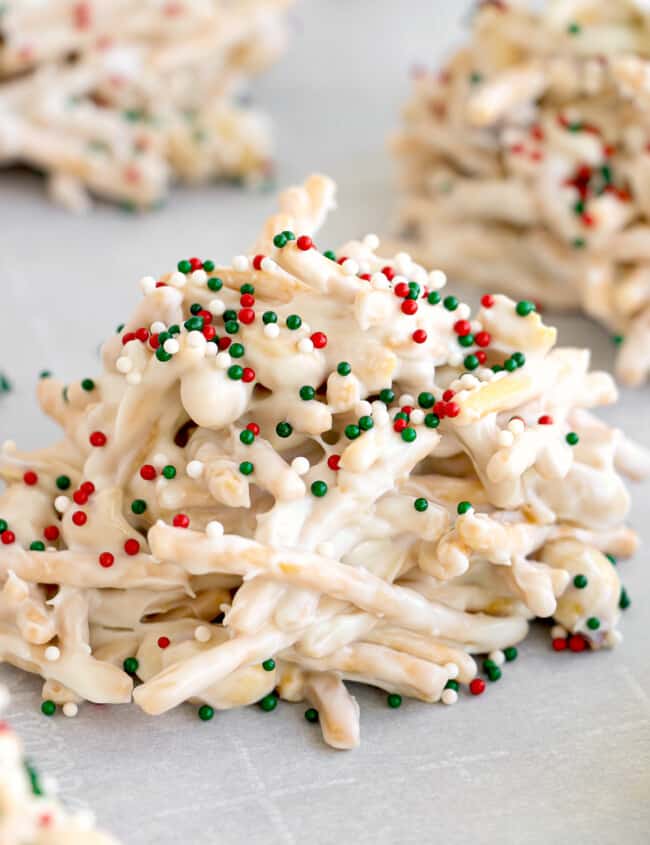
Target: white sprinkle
x: 194, y: 469
x: 497, y: 657
x: 475, y: 326
x: 300, y: 465
x: 449, y: 696
x: 306, y: 328
x: 456, y: 385
x: 70, y: 709
x: 463, y: 311
x: 505, y: 439
x: 451, y: 669
x: 217, y: 307
x: 202, y: 634
x: 268, y: 264
x: 52, y: 653
x: 171, y: 346
x: 271, y: 330
x: 437, y: 279
x: 379, y: 282
x: 214, y: 530
x: 380, y: 413
x: 240, y: 262
x: 485, y: 374
x: 468, y: 381
x: 558, y: 632
x: 406, y: 399
x: 9, y: 446
x: 61, y: 504
x: 157, y: 326
x: 613, y: 638
x: 417, y: 416
x: 177, y: 280
x: 350, y: 267
x: 325, y: 549
x: 371, y: 241
x: 196, y: 339
x: 223, y: 360
x: 305, y: 346
x: 362, y: 408
x: 147, y: 284
x: 199, y: 276
x: 455, y: 359
x: 403, y: 262
x: 124, y: 364
x: 50, y: 785
x: 516, y: 426
x: 211, y: 350
x: 159, y: 460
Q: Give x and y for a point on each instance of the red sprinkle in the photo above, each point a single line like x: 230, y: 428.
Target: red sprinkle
x: 97, y: 438
x: 365, y: 276
x: 196, y: 264
x: 209, y: 332
x: 452, y: 409
x: 164, y: 642
x: 477, y: 686
x: 246, y: 300
x: 128, y: 337
x: 224, y: 342
x: 439, y: 409
x: 142, y: 335
x: 154, y: 342
x: 8, y: 537
x: 30, y: 478
x: 462, y: 327
x: 388, y: 272
x: 545, y: 419
x: 559, y: 644
x: 483, y: 339
x: 132, y: 547
x: 487, y: 301
x: 88, y: 488
x: 419, y: 336
x: 304, y: 243
x: 334, y: 462
x: 80, y: 497
x: 148, y: 472
x: 409, y: 306
x: 248, y: 375
x: 207, y: 316
x: 257, y: 262
x: 319, y: 339
x: 79, y: 518
x: 401, y: 289
x: 481, y: 356
x: 399, y: 425
x: 407, y: 409
x: 254, y: 427
x: 577, y: 643
x: 246, y: 316
x: 106, y: 560
x: 181, y: 520
x: 448, y: 395
x: 51, y: 532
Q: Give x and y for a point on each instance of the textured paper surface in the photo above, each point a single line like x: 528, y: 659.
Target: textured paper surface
x: 557, y: 751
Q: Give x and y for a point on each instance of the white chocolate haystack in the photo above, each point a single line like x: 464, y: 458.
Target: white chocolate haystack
x: 28, y: 814
x: 367, y: 482
x: 526, y: 162
x: 119, y: 97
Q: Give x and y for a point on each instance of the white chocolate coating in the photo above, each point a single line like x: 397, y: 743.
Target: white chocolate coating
x: 26, y: 813
x: 119, y: 98
x: 207, y: 542
x: 526, y: 162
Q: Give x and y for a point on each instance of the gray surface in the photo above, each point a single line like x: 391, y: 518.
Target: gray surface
x: 558, y: 751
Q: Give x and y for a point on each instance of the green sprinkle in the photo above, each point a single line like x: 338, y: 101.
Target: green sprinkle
x: 387, y: 396
x: 420, y: 505
x: 524, y: 308
x: 366, y: 423
x: 169, y: 471
x: 235, y: 372
x: 246, y: 467
x: 269, y: 317
x: 215, y: 284
x: 88, y: 384
x: 236, y: 350
x: 394, y: 700
x: 463, y: 507
x: 574, y: 28
x: 307, y: 393
x: 432, y: 420
x: 268, y: 703
x: 284, y: 429
x: 329, y: 254
x: 246, y: 437
x: 206, y: 713
x: 161, y: 355
x: 578, y: 243
x: 174, y: 329
x: 475, y: 78
x: 247, y: 287
x: 580, y: 582
x: 47, y: 374
x: 409, y: 435
x: 63, y: 482
x: 311, y: 715
x: 195, y: 307
x: 289, y: 235
x: 497, y: 368
x: 194, y: 324
x: 3, y: 525
x: 268, y: 665
x: 618, y: 339
x: 519, y: 358
x: 344, y: 369
x: 624, y: 600
x: 318, y: 489
x: 131, y: 665
x: 138, y: 506
x: 510, y: 365
x: 510, y: 653
x: 280, y: 241
x: 572, y: 438
x: 37, y: 546
x: 426, y: 400
x: 229, y: 314
x: 232, y: 327
x: 433, y: 298
x: 48, y: 707
x: 471, y: 362
x: 414, y: 290
x: 451, y: 684
x: 611, y: 559
x: 579, y: 207
x: 184, y: 266
x: 494, y: 673
x: 64, y: 393
x: 33, y: 779
x: 466, y: 340
x: 450, y: 303
x: 208, y: 266
x: 489, y: 664
x: 593, y: 623
x: 293, y: 322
